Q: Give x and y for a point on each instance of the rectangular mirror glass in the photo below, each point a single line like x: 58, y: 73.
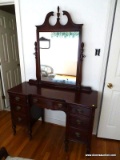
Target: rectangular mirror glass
x: 59, y: 62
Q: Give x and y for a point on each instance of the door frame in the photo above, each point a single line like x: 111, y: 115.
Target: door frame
x: 108, y: 38
x: 19, y: 34
x: 2, y: 102
x: 109, y: 28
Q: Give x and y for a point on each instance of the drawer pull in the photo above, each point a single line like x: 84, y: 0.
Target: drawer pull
x: 78, y: 121
x: 19, y: 119
x: 80, y: 111
x: 60, y: 105
x: 77, y: 134
x: 18, y: 108
x: 35, y: 100
x: 17, y: 98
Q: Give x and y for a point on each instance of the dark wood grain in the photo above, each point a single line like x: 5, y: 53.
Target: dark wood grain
x: 28, y: 102
x: 70, y: 96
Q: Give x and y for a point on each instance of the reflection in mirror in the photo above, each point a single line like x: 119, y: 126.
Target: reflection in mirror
x: 44, y: 43
x: 59, y: 62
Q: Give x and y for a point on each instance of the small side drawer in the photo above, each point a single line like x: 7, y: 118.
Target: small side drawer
x: 19, y: 108
x: 20, y: 119
x: 81, y: 122
x: 77, y: 135
x: 79, y: 110
x: 48, y: 103
x: 16, y: 98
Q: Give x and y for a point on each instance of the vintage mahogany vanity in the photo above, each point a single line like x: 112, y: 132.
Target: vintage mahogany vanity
x: 29, y: 99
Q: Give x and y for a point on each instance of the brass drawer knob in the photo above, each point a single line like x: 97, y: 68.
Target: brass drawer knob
x: 17, y: 98
x: 80, y: 111
x: 60, y: 105
x: 19, y: 119
x: 35, y: 100
x: 18, y: 108
x: 77, y: 134
x: 78, y: 121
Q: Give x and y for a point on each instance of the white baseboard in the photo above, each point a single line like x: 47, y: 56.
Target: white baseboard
x: 55, y: 121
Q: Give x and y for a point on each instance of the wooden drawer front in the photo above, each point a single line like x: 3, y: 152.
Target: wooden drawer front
x: 79, y: 110
x: 77, y: 135
x: 81, y: 122
x: 19, y: 108
x: 20, y: 99
x: 48, y: 103
x: 20, y: 119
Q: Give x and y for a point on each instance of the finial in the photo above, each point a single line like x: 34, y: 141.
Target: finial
x: 58, y: 13
x: 58, y: 8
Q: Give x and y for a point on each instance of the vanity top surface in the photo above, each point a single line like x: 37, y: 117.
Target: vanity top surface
x: 70, y: 96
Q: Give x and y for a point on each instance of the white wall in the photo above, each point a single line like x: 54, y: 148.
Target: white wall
x: 6, y: 2
x: 92, y: 13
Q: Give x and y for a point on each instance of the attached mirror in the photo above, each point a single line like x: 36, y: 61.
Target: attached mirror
x: 59, y: 62
x: 59, y: 53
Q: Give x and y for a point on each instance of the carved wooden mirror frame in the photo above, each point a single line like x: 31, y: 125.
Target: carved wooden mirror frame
x: 58, y: 27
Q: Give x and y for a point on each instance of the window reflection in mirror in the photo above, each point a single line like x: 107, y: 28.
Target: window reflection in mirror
x: 59, y: 62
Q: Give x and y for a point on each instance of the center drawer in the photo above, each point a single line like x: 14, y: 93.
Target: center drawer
x: 48, y: 103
